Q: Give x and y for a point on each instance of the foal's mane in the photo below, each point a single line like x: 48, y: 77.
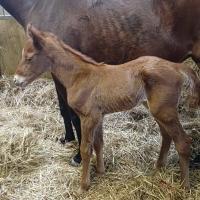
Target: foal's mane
x: 83, y: 57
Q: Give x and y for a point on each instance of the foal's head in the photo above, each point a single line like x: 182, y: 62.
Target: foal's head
x: 35, y: 56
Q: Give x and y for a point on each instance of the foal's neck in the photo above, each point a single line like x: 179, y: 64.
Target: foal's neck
x: 70, y: 64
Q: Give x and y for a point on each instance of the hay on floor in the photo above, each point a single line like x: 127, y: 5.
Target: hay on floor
x: 34, y: 165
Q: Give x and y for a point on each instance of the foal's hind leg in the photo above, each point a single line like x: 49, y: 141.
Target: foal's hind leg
x: 162, y: 100
x: 98, y: 147
x: 166, y: 142
x: 168, y: 118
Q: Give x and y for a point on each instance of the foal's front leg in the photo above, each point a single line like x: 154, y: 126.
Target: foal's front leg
x: 98, y: 147
x: 88, y: 125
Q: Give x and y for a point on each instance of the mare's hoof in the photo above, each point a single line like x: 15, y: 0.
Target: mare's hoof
x: 74, y: 163
x: 195, y: 163
x: 69, y: 143
x: 62, y: 140
x: 76, y: 160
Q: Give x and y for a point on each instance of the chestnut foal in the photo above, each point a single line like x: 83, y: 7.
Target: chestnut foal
x: 95, y: 89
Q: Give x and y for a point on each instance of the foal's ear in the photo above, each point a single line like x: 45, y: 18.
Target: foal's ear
x: 36, y: 36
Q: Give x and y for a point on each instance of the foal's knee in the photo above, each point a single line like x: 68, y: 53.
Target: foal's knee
x: 183, y: 146
x: 164, y: 116
x: 86, y: 150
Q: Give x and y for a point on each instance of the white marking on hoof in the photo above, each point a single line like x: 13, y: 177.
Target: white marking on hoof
x: 74, y: 164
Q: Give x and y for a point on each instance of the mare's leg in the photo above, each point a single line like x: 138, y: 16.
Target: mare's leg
x: 76, y: 160
x: 162, y: 101
x: 69, y: 116
x: 166, y: 142
x: 98, y: 147
x: 64, y: 110
x: 77, y: 124
x: 195, y: 163
x: 88, y: 125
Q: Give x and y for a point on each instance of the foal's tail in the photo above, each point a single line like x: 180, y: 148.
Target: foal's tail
x: 191, y: 79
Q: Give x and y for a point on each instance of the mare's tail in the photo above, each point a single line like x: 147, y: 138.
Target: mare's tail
x: 191, y: 79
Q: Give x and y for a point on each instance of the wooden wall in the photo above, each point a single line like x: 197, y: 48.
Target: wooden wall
x: 12, y: 38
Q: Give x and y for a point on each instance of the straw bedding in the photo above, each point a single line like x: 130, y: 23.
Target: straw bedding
x: 34, y: 165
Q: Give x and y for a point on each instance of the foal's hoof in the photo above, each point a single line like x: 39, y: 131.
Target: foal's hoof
x: 84, y: 187
x: 82, y: 190
x: 100, y: 174
x: 186, y: 186
x: 159, y: 165
x: 100, y: 171
x: 76, y: 160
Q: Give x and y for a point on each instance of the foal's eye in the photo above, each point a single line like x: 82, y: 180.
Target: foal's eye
x: 29, y: 58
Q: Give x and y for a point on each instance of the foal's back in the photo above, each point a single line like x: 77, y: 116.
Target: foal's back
x: 155, y: 68
x: 124, y: 86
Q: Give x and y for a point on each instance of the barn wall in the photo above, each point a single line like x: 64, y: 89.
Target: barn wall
x: 11, y: 42
x: 12, y: 37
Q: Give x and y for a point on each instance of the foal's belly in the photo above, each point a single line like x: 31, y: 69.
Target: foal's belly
x: 122, y: 94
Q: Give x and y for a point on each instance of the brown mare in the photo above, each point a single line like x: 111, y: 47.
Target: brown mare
x: 95, y: 89
x: 114, y: 32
